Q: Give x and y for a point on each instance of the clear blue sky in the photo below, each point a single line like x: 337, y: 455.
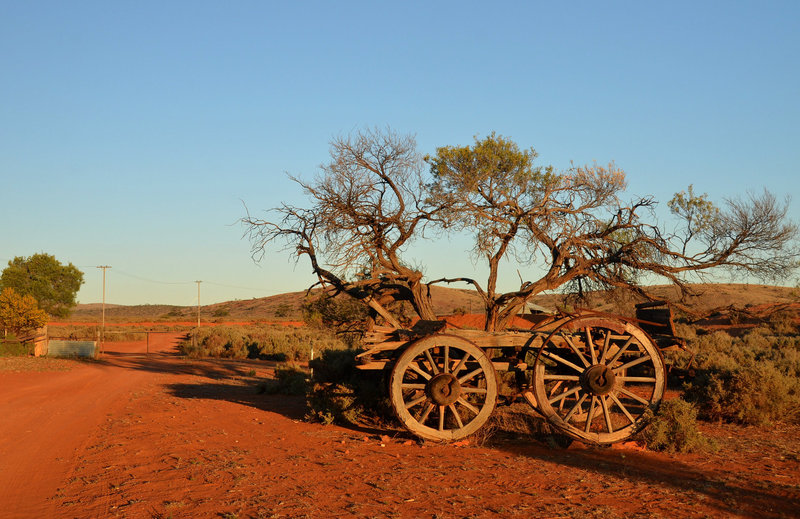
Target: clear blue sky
x: 131, y: 133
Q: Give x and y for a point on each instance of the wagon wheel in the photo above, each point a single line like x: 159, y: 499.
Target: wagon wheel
x: 595, y: 377
x: 443, y: 388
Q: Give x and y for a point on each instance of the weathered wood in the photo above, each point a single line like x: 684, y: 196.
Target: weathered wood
x: 508, y: 366
x: 383, y: 312
x: 373, y: 365
x: 384, y: 346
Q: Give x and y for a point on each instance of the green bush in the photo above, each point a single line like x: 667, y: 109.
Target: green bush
x: 289, y: 380
x: 11, y: 347
x: 674, y: 428
x: 263, y: 342
x: 340, y: 393
x: 754, y: 379
x: 782, y: 322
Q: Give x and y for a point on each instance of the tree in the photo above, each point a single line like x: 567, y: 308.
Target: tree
x: 20, y: 313
x: 368, y: 204
x: 43, y: 277
x: 575, y: 226
x: 374, y: 199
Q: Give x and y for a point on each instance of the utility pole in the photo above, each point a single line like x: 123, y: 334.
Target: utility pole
x: 198, y: 303
x: 103, y: 326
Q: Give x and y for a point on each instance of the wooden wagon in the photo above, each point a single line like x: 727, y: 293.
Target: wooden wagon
x: 593, y: 376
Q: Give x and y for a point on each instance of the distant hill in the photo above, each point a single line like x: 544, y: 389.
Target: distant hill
x: 445, y: 301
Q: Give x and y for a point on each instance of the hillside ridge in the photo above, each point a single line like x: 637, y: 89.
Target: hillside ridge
x: 446, y: 301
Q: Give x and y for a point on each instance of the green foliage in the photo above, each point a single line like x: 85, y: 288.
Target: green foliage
x: 44, y: 278
x: 754, y: 379
x: 11, y: 347
x: 343, y: 394
x: 19, y: 313
x: 697, y: 211
x: 674, y: 428
x: 283, y: 310
x: 333, y: 311
x: 289, y: 380
x: 343, y: 314
x: 220, y: 312
x: 259, y: 342
x: 494, y: 162
x: 782, y: 322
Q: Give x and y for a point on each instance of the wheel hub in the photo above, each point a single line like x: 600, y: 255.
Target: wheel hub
x: 598, y: 379
x: 443, y: 389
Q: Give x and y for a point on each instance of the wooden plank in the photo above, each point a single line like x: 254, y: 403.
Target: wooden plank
x: 497, y: 339
x: 384, y: 346
x: 374, y: 365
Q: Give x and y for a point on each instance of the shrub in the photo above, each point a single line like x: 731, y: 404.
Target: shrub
x: 753, y: 379
x: 757, y: 394
x: 11, y: 347
x: 263, y: 342
x: 343, y: 394
x: 289, y: 380
x: 20, y: 312
x: 673, y: 428
x: 221, y: 312
x: 782, y: 322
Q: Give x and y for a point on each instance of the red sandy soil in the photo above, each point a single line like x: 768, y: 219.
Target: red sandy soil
x: 158, y: 436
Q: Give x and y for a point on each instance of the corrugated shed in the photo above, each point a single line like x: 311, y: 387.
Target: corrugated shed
x: 72, y: 349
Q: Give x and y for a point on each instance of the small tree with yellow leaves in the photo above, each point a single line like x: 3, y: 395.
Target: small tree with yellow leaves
x: 20, y: 313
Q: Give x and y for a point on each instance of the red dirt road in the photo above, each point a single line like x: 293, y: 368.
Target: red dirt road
x: 159, y: 436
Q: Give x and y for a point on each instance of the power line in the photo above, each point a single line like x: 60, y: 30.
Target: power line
x: 140, y: 278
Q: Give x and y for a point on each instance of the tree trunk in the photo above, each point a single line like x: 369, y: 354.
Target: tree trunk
x: 421, y: 300
x: 491, y: 318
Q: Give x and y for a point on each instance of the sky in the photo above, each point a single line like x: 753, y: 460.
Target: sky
x: 137, y: 134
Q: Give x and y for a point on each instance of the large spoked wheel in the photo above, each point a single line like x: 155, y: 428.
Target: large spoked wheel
x: 595, y: 377
x: 443, y: 388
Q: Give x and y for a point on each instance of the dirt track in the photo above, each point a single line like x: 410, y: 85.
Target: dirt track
x: 158, y: 436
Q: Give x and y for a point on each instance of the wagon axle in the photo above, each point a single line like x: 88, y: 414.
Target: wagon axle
x: 598, y: 379
x: 443, y: 389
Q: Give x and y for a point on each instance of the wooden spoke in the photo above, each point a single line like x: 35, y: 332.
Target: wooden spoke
x: 590, y: 343
x: 461, y: 363
x: 413, y: 386
x: 634, y: 396
x: 562, y: 377
x: 604, y: 402
x: 415, y: 367
x: 575, y: 349
x: 622, y: 408
x: 635, y: 362
x: 470, y: 375
x: 565, y: 394
x: 637, y: 379
x: 456, y: 415
x: 478, y: 390
x: 416, y: 401
x: 606, y: 344
x: 606, y: 414
x: 552, y: 356
x: 468, y: 405
x: 434, y: 367
x: 426, y: 412
x: 620, y: 352
x: 590, y: 416
x: 425, y: 377
x: 575, y: 408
